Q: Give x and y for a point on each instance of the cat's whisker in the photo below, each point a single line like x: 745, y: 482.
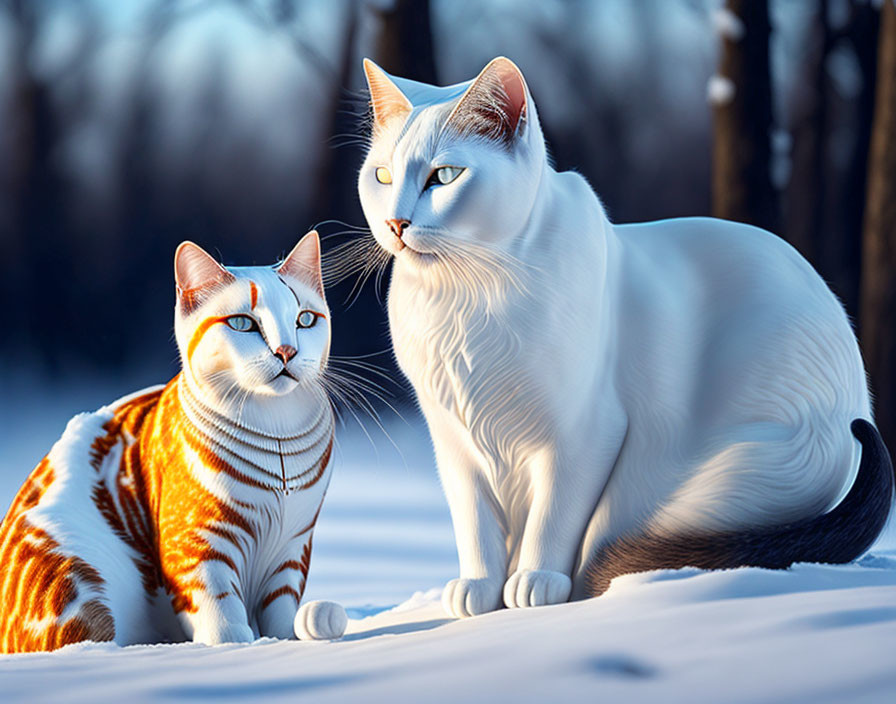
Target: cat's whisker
x: 337, y: 221
x: 374, y: 258
x: 350, y: 387
x: 360, y: 379
x: 356, y: 390
x: 340, y: 395
x: 479, y: 267
x: 383, y: 265
x: 366, y: 355
x: 364, y: 366
x: 356, y: 256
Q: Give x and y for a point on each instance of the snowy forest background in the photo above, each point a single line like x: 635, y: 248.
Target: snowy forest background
x: 128, y: 126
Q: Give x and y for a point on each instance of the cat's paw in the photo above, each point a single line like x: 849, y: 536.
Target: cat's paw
x: 470, y: 597
x: 320, y: 620
x: 222, y: 632
x: 536, y: 588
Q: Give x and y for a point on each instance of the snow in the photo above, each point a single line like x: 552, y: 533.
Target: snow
x: 781, y: 162
x: 720, y: 90
x: 727, y: 24
x: 845, y: 72
x: 813, y: 633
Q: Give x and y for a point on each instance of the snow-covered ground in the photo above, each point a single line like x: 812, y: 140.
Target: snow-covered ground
x: 810, y: 634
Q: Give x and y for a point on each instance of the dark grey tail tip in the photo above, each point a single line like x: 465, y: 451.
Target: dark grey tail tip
x: 863, y: 430
x: 876, y: 463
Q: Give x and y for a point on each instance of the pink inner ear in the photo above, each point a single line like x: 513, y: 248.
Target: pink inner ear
x: 303, y: 262
x: 493, y: 106
x: 194, y: 268
x: 515, y: 90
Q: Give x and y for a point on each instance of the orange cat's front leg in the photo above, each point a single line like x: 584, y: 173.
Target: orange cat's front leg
x: 209, y: 604
x: 282, y: 594
x: 203, y: 582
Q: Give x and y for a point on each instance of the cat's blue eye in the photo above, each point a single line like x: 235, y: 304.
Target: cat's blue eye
x: 444, y: 175
x: 306, y: 319
x: 242, y: 323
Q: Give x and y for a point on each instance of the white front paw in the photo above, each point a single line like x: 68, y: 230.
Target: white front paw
x: 320, y: 620
x: 470, y: 597
x: 536, y: 588
x: 223, y: 632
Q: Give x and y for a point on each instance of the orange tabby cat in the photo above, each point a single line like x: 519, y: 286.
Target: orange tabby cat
x: 186, y: 512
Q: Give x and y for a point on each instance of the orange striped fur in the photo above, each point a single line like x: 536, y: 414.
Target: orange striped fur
x: 157, y: 508
x: 161, y: 517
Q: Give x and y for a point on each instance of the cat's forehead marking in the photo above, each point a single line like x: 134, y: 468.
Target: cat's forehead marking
x: 253, y: 293
x: 298, y: 301
x: 263, y: 286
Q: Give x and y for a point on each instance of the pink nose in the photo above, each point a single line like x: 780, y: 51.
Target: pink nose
x: 285, y: 352
x: 398, y: 226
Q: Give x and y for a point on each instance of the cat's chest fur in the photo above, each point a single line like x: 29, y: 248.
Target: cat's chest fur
x: 277, y: 492
x: 467, y: 359
x: 434, y: 344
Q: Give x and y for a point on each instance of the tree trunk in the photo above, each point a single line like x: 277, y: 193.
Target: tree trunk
x: 841, y: 254
x: 878, y: 312
x: 338, y: 166
x: 35, y: 240
x: 404, y: 42
x: 805, y: 193
x: 742, y: 110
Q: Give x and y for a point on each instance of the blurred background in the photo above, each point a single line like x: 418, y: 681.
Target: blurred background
x: 127, y: 126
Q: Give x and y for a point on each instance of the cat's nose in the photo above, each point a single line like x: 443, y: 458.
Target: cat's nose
x: 398, y: 226
x: 285, y: 352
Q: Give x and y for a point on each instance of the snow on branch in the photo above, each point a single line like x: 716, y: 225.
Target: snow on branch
x: 720, y: 90
x: 727, y: 24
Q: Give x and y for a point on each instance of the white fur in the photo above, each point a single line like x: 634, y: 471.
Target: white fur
x: 69, y: 516
x: 581, y: 379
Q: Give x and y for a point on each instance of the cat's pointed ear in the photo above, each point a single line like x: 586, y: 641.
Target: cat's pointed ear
x: 303, y: 262
x: 195, y: 269
x: 385, y: 97
x: 495, y: 104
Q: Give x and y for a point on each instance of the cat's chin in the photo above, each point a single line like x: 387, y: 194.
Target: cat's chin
x: 280, y: 385
x: 415, y: 257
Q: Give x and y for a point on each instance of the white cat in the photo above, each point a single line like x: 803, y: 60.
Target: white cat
x: 602, y: 398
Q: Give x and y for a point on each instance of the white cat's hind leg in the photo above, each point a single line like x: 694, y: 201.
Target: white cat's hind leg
x: 764, y: 474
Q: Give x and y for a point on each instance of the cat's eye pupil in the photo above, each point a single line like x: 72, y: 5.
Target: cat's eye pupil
x: 241, y: 323
x: 306, y: 319
x: 383, y: 175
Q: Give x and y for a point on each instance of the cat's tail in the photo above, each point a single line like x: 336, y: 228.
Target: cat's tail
x: 840, y: 535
